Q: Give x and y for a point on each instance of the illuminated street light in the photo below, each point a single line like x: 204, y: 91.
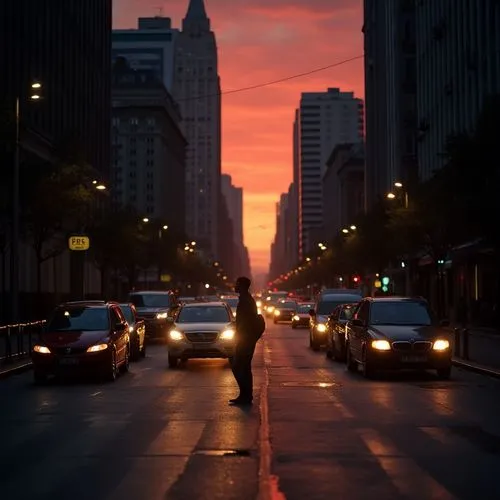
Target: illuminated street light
x: 353, y: 228
x: 145, y: 219
x: 391, y: 196
x: 36, y: 85
x: 193, y: 243
x: 207, y: 285
x: 345, y: 230
x: 398, y: 184
x: 165, y: 227
x: 100, y: 187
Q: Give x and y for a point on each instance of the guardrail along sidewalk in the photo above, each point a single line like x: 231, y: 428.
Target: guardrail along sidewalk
x: 17, y: 340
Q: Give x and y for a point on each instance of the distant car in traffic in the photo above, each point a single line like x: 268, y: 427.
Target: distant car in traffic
x: 83, y: 338
x: 201, y: 330
x: 392, y: 333
x: 284, y: 311
x: 137, y: 331
x: 319, y: 314
x: 157, y: 309
x: 301, y: 316
x: 336, y: 327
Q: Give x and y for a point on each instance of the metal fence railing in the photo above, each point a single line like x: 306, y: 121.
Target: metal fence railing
x: 17, y: 340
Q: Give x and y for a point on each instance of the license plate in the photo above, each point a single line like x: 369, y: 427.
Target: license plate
x: 414, y: 359
x: 68, y: 361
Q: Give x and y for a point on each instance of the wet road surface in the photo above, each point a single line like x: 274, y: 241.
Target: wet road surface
x: 169, y: 434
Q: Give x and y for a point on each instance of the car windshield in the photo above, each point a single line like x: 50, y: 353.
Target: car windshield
x: 346, y: 312
x: 150, y: 300
x: 326, y: 307
x: 288, y: 304
x: 201, y: 314
x: 232, y: 302
x: 304, y: 308
x: 400, y: 313
x: 78, y: 319
x: 128, y: 313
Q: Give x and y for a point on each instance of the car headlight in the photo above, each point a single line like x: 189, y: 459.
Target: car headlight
x: 381, y: 345
x: 321, y: 327
x: 97, y: 348
x: 270, y: 309
x: 277, y: 313
x: 161, y: 316
x: 259, y: 303
x: 441, y: 345
x: 41, y: 349
x: 175, y: 335
x: 296, y: 318
x: 227, y: 335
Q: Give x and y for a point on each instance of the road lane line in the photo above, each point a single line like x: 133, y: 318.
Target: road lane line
x: 408, y: 477
x: 268, y: 484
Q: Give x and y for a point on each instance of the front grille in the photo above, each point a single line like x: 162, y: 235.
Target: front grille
x: 201, y: 336
x: 418, y: 346
x: 68, y: 351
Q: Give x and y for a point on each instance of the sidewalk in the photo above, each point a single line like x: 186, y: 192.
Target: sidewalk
x: 484, y: 351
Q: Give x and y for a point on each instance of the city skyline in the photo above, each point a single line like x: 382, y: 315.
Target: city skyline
x: 267, y: 30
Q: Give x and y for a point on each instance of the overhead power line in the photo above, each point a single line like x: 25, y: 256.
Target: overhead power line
x: 274, y: 82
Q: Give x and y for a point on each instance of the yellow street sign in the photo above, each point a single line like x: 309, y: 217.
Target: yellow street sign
x: 166, y: 278
x: 79, y: 243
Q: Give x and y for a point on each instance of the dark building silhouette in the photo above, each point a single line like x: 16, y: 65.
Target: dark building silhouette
x: 65, y: 45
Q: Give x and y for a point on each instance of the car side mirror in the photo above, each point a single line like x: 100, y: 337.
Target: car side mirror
x: 444, y: 323
x: 312, y: 312
x: 357, y: 322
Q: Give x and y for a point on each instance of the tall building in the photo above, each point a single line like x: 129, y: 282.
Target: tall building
x: 278, y: 263
x: 149, y: 47
x: 390, y: 95
x: 344, y: 175
x: 148, y: 146
x: 65, y: 45
x: 458, y: 66
x: 323, y: 120
x: 234, y: 201
x: 196, y: 88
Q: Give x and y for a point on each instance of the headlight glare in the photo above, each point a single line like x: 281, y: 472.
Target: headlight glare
x: 321, y: 327
x: 175, y: 335
x: 97, y: 348
x: 277, y: 313
x: 296, y: 318
x: 227, y: 335
x: 161, y: 316
x: 41, y: 349
x: 441, y: 345
x: 381, y: 345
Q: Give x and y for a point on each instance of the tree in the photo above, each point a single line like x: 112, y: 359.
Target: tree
x: 55, y: 203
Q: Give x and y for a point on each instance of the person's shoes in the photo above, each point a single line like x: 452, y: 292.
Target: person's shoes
x: 239, y: 401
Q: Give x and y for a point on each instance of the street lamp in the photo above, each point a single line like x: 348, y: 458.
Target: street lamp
x: 145, y: 220
x: 14, y: 249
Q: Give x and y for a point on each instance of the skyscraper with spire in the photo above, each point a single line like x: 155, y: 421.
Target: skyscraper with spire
x: 196, y: 88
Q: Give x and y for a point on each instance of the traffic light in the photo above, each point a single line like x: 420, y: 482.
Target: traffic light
x: 355, y: 279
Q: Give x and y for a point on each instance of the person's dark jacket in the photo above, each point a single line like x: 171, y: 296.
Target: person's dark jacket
x: 246, y: 313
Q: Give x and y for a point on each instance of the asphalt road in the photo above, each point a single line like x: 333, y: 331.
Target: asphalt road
x: 325, y: 434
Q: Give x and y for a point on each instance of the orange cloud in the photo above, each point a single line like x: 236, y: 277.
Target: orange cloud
x: 261, y: 41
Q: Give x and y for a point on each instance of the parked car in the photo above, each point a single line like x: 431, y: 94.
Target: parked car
x: 324, y: 306
x: 336, y: 327
x: 158, y: 309
x: 392, y: 333
x: 301, y: 316
x: 137, y: 332
x: 83, y: 338
x: 202, y: 330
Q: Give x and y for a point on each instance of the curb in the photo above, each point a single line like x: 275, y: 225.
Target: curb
x: 16, y: 370
x: 473, y: 367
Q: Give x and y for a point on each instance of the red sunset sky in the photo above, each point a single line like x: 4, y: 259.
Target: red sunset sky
x: 261, y: 41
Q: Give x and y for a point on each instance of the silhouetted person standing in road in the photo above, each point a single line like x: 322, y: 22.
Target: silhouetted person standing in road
x: 246, y: 338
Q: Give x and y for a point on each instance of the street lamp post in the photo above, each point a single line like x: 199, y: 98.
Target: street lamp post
x: 16, y: 209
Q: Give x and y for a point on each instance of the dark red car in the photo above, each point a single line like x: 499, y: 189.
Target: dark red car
x: 89, y: 338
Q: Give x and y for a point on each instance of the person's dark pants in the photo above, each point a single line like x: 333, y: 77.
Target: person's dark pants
x: 242, y: 370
